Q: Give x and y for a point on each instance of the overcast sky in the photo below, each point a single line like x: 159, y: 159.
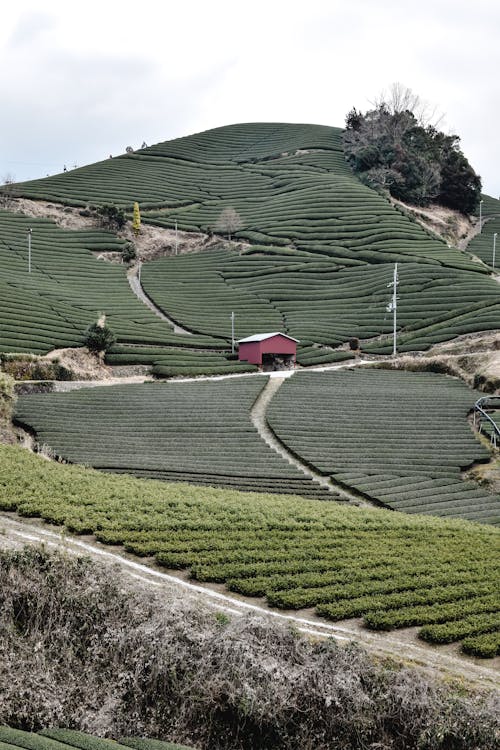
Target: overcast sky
x: 81, y: 81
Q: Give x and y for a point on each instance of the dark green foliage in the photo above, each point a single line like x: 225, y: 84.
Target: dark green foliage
x: 191, y: 432
x: 418, y: 164
x: 399, y: 438
x: 129, y: 253
x: 110, y: 217
x: 99, y: 338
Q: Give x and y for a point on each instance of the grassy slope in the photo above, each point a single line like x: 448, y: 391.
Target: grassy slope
x: 351, y: 562
x: 299, y: 203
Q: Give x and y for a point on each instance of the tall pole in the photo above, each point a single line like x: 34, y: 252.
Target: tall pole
x: 494, y: 247
x: 394, y: 308
x: 480, y: 216
x: 139, y: 271
x: 232, y: 333
x: 29, y: 249
x: 176, y: 238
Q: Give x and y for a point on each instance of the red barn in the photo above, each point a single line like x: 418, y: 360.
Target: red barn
x: 272, y: 351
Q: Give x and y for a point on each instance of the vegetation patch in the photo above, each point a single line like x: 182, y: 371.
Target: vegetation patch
x: 82, y: 648
x: 348, y: 562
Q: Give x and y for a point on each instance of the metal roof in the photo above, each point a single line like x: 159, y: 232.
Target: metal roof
x: 263, y: 336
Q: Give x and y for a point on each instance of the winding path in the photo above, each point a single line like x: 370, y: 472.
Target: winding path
x: 258, y: 417
x: 135, y: 285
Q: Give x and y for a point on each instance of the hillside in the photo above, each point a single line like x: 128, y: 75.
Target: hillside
x: 394, y: 570
x: 318, y: 246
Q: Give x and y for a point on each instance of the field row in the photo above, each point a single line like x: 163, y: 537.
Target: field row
x: 389, y: 568
x: 69, y: 739
x: 196, y: 432
x: 397, y: 437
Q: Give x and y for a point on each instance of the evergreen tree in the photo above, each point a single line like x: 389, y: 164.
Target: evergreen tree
x: 136, y: 222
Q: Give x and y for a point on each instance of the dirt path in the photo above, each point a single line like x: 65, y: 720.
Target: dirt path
x: 135, y: 285
x: 447, y: 661
x: 259, y: 420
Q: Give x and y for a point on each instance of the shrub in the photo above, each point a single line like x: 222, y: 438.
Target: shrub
x: 99, y: 338
x: 110, y: 216
x: 129, y: 253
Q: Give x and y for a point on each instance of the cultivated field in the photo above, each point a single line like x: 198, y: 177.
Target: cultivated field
x: 400, y: 438
x: 191, y: 432
x: 69, y: 739
x: 322, y: 245
x: 394, y: 570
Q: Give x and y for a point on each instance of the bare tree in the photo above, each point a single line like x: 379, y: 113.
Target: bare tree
x: 229, y: 222
x: 401, y: 99
x: 7, y: 191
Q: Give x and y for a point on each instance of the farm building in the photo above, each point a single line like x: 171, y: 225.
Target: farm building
x: 271, y: 351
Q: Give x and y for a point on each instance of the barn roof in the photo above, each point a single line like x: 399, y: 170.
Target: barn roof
x: 263, y: 336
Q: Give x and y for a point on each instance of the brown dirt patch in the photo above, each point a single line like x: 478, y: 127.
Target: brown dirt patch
x: 83, y: 364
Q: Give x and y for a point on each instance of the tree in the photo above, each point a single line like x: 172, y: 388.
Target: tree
x: 394, y: 148
x: 8, y: 191
x: 229, y: 222
x: 99, y: 337
x: 110, y: 217
x: 136, y: 222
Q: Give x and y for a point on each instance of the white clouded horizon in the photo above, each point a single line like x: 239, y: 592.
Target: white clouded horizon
x: 81, y: 81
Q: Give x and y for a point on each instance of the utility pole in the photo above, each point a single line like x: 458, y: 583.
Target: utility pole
x: 494, y: 247
x: 176, y: 238
x: 232, y: 333
x: 139, y: 271
x: 29, y: 249
x: 393, y: 307
x: 480, y: 216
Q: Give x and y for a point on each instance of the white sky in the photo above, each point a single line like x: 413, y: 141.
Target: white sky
x: 80, y: 81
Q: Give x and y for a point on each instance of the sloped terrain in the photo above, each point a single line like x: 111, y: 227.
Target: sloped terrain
x: 394, y: 570
x: 192, y: 432
x: 400, y: 438
x: 322, y: 244
x: 67, y: 289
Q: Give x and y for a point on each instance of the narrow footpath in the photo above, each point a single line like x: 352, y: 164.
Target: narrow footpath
x: 258, y: 417
x: 135, y: 285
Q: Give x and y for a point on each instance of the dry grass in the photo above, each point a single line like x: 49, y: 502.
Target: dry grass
x: 80, y: 648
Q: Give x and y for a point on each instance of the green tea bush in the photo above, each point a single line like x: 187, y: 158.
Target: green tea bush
x: 84, y: 646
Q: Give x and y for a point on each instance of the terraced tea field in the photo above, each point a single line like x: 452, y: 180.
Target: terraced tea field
x: 322, y: 245
x: 400, y: 438
x: 392, y: 569
x: 69, y: 739
x: 191, y: 432
x: 67, y: 289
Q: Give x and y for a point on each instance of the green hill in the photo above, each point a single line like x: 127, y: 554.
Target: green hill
x: 322, y: 245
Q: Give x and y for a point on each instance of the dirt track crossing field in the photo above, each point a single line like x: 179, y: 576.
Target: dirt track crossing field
x: 402, y: 644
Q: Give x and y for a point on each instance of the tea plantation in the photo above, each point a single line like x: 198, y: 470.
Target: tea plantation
x: 69, y: 739
x: 397, y: 438
x: 321, y: 244
x: 400, y: 438
x: 67, y: 289
x: 392, y: 569
x: 192, y: 432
